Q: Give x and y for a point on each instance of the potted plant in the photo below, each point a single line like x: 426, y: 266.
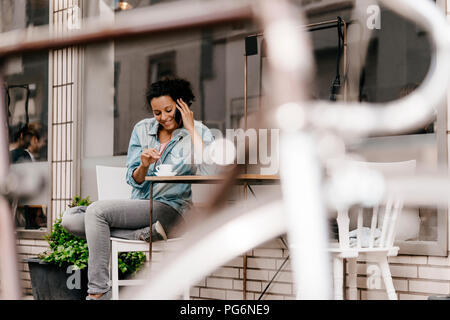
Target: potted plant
x: 60, y: 273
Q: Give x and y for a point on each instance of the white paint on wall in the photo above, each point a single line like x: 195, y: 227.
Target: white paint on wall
x: 98, y: 101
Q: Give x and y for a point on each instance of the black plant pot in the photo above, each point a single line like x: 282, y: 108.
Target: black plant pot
x: 50, y: 282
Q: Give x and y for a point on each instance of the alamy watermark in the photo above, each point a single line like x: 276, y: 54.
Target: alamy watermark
x: 374, y: 17
x: 373, y: 277
x: 253, y: 147
x: 74, y: 280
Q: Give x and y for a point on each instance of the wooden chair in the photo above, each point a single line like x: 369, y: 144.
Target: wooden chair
x: 111, y: 184
x: 374, y: 243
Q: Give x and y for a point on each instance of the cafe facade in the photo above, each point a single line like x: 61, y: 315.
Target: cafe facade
x: 88, y: 98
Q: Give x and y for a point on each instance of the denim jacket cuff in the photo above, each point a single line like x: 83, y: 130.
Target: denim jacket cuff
x: 133, y: 182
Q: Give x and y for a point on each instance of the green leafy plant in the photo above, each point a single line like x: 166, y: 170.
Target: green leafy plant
x: 78, y: 201
x: 67, y: 249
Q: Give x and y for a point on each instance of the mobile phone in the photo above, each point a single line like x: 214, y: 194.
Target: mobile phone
x: 178, y: 118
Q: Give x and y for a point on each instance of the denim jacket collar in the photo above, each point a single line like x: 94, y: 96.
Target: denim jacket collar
x: 153, y: 130
x: 154, y: 125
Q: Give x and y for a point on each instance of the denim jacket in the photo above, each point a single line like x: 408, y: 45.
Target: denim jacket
x: 177, y: 153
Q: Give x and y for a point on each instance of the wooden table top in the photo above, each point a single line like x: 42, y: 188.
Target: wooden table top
x: 240, y: 179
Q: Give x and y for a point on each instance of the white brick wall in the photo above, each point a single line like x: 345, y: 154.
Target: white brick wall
x: 220, y: 283
x: 282, y: 276
x: 432, y: 287
x: 262, y: 265
x: 373, y: 295
x: 406, y: 296
x: 237, y: 295
x: 27, y: 248
x: 273, y: 297
x: 439, y: 261
x: 208, y: 293
x: 272, y: 253
x: 251, y: 285
x: 436, y: 273
x: 408, y: 259
x: 255, y: 274
x: 227, y: 272
x: 403, y: 271
x: 280, y: 288
x: 415, y: 277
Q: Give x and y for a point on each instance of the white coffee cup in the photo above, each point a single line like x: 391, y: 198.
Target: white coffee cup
x: 164, y: 169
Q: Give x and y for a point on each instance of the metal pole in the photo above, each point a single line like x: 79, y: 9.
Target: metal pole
x: 345, y: 60
x: 311, y: 25
x: 308, y: 26
x: 144, y: 21
x: 151, y: 223
x: 244, y: 262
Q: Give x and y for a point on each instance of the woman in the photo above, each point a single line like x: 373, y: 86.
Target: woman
x: 168, y: 138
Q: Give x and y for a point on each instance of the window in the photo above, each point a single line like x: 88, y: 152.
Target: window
x: 26, y: 90
x: 211, y: 60
x: 27, y: 102
x: 397, y: 61
x: 160, y: 66
x: 26, y: 83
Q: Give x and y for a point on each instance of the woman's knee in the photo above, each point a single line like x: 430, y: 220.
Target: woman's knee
x: 97, y: 209
x: 73, y: 220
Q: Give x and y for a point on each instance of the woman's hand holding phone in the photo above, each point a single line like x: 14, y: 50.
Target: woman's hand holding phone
x: 186, y: 114
x: 188, y: 122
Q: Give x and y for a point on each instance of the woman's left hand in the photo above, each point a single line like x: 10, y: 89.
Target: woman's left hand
x: 186, y: 114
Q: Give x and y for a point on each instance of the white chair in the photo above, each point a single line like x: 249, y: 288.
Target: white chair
x: 372, y: 243
x: 111, y: 184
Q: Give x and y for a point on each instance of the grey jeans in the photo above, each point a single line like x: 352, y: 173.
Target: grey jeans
x: 125, y: 219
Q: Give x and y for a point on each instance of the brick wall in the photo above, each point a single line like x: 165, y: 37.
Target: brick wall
x: 414, y: 277
x: 28, y: 249
x: 262, y: 264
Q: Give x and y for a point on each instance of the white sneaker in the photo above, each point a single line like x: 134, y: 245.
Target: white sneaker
x: 159, y: 228
x: 145, y: 233
x: 106, y: 296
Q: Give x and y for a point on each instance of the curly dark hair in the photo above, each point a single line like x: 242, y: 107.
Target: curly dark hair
x: 174, y: 87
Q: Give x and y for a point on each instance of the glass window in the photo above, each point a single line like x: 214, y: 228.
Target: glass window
x: 397, y: 61
x: 27, y: 103
x: 22, y: 14
x: 26, y: 78
x: 27, y: 100
x: 211, y: 60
